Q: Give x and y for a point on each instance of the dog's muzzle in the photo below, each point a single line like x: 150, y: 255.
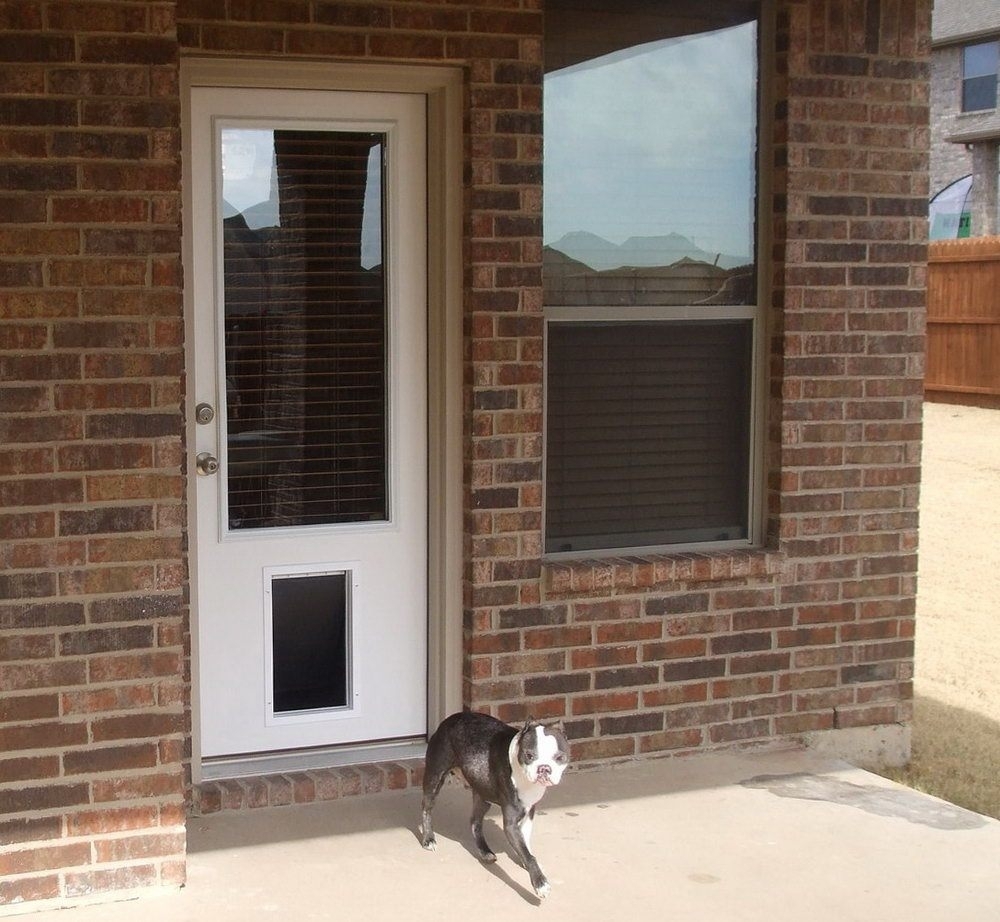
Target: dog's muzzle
x: 543, y: 775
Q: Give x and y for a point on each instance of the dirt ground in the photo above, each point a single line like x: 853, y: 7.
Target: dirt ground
x: 958, y: 629
x: 956, y: 722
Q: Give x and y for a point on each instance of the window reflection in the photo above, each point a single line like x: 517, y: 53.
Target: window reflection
x: 650, y: 157
x: 650, y: 284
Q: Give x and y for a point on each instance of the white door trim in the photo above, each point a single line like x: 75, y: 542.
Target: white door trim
x: 442, y: 88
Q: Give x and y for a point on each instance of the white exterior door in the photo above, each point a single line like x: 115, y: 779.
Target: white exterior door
x: 309, y: 431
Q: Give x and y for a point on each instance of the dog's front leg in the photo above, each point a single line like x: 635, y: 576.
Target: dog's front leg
x: 513, y: 826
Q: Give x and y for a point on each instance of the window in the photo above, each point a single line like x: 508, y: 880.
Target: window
x: 979, y: 76
x: 653, y: 312
x: 305, y: 327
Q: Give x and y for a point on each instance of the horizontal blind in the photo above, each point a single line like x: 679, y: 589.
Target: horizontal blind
x: 647, y: 439
x: 305, y: 340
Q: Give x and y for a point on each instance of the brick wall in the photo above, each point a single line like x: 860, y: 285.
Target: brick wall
x: 92, y: 596
x: 852, y: 339
x: 499, y: 44
x: 814, y: 633
x: 643, y: 656
x: 948, y: 161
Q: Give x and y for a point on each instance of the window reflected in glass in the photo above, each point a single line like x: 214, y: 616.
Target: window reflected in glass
x: 650, y: 154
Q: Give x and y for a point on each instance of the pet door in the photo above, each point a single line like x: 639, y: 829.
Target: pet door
x: 309, y: 635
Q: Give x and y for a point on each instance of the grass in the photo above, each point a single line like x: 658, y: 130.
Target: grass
x: 955, y: 756
x: 956, y: 720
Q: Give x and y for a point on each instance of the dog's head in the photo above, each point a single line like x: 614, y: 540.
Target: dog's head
x: 542, y: 752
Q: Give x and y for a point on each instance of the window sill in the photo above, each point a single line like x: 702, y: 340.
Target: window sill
x: 615, y: 575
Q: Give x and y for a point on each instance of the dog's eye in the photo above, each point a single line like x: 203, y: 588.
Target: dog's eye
x: 560, y: 758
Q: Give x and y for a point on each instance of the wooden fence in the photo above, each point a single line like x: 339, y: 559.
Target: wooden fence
x: 963, y: 322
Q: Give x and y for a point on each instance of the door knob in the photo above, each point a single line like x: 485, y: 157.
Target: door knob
x: 206, y: 463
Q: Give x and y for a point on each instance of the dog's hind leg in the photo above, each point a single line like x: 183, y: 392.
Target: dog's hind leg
x: 479, y: 808
x: 432, y: 787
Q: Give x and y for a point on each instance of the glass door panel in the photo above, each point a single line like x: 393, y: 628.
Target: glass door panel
x: 304, y: 327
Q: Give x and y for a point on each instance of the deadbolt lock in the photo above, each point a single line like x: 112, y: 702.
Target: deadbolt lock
x: 204, y: 414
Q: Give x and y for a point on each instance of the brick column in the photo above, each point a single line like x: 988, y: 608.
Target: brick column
x: 504, y: 444
x: 93, y: 717
x: 852, y: 302
x: 984, y: 188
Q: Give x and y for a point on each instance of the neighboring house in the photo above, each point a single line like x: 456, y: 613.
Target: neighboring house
x: 316, y: 426
x: 965, y: 124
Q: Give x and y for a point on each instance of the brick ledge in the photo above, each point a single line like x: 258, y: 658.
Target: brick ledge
x: 567, y: 578
x: 290, y: 788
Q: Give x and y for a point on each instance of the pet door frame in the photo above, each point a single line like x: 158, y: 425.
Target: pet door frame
x: 352, y: 604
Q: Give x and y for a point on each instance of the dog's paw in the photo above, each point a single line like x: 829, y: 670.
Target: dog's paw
x: 429, y: 842
x: 543, y: 889
x: 487, y: 857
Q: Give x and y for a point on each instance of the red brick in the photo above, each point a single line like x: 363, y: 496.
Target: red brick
x: 42, y: 797
x: 803, y: 723
x: 29, y: 889
x: 29, y: 769
x: 671, y: 739
x: 137, y: 726
x: 556, y: 637
x: 29, y: 860
x: 27, y: 525
x: 110, y: 820
x: 138, y: 787
x: 604, y: 656
x: 102, y: 881
x: 599, y: 704
x: 606, y: 611
x: 110, y: 758
x: 675, y: 694
x: 37, y: 676
x: 21, y: 708
x: 685, y: 648
x: 865, y: 716
x: 623, y: 631
x: 599, y: 749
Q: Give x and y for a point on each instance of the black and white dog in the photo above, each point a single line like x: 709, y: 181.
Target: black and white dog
x: 503, y: 766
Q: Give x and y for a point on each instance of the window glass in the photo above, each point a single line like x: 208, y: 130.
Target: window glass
x: 650, y: 154
x: 647, y: 433
x: 650, y: 279
x: 979, y: 84
x: 305, y: 327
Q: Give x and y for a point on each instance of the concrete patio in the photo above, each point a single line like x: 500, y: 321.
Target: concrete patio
x: 777, y: 836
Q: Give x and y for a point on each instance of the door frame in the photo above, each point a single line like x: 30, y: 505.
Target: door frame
x: 442, y: 88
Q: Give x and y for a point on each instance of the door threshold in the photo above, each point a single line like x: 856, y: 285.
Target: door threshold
x: 224, y: 768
